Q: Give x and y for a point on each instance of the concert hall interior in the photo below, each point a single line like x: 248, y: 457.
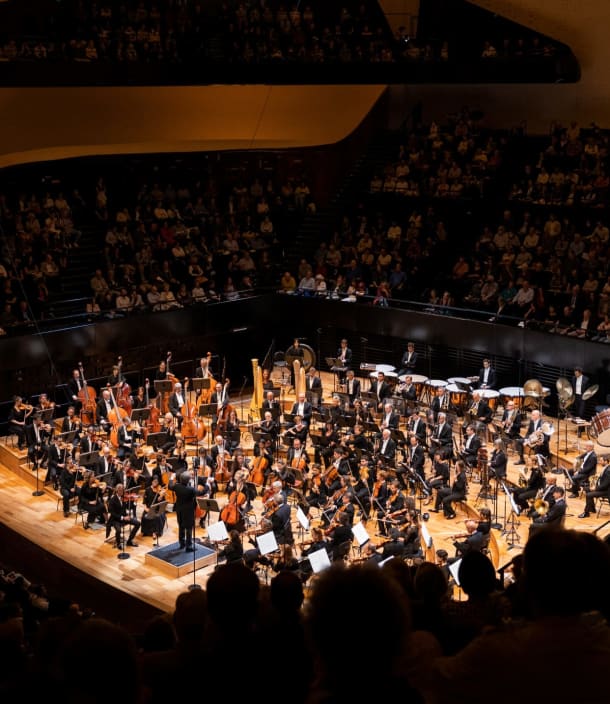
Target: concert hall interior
x: 305, y: 311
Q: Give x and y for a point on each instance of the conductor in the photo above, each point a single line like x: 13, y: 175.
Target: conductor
x: 185, y: 507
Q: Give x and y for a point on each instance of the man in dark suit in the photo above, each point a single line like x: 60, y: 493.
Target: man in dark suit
x: 177, y: 401
x: 75, y: 385
x: 381, y: 389
x: 480, y: 409
x: 344, y: 354
x: 440, y: 402
x: 37, y: 439
x: 541, y: 447
x: 586, y: 467
x: 390, y: 419
x: 602, y: 488
x: 442, y: 437
x: 185, y: 507
x: 487, y: 376
x: 302, y: 407
x: 475, y: 542
x: 511, y: 421
x: 456, y: 492
x: 555, y: 516
x: 104, y: 406
x: 220, y: 400
x: 409, y: 360
x: 313, y: 387
x: 387, y: 447
x: 88, y: 443
x: 415, y: 459
x: 352, y: 386
x: 271, y: 404
x: 580, y: 382
x: 470, y: 451
x: 417, y: 426
x: 408, y: 391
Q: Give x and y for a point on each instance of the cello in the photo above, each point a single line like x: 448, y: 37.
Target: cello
x: 231, y: 513
x: 152, y: 425
x: 87, y: 396
x: 192, y: 427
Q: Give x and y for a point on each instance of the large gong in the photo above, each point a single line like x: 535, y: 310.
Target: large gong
x: 309, y: 356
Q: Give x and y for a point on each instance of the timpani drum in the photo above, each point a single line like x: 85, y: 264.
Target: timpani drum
x: 600, y: 428
x: 436, y: 384
x: 457, y: 396
x: 514, y: 394
x: 390, y: 376
x: 460, y: 380
x: 491, y: 396
x: 385, y: 368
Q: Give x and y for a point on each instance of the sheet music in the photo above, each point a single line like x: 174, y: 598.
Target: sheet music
x: 383, y: 562
x: 454, y: 569
x: 267, y: 543
x: 217, y: 531
x: 359, y: 531
x: 302, y: 518
x: 426, y: 535
x: 319, y: 560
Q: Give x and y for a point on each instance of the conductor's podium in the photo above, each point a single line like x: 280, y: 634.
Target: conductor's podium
x: 174, y: 561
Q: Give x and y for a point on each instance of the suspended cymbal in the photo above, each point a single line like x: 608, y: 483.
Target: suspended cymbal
x: 564, y: 391
x: 547, y: 428
x: 590, y: 392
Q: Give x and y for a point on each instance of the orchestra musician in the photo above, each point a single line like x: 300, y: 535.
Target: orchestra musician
x: 89, y: 442
x: 179, y: 457
x: 315, y: 490
x: 71, y: 422
x: 602, y: 488
x: 104, y: 406
x: 298, y: 431
x: 417, y: 427
x: 358, y: 441
x: 115, y: 379
x: 44, y: 404
x: 457, y: 492
x: 498, y: 461
x: 396, y: 505
x: 585, y: 467
x: 139, y: 399
x: 56, y: 458
x: 219, y: 452
x: 442, y: 436
x: 390, y: 418
x: 363, y: 413
x: 510, y: 425
x: 546, y: 497
x: 176, y: 402
x: 408, y: 391
x: 75, y: 386
x: 352, y: 386
x: 470, y: 450
x: 37, y: 436
x: 344, y: 506
x: 168, y: 424
x: 269, y: 427
x: 313, y: 387
x: 535, y: 439
x: 120, y: 510
x: 18, y: 416
x: 555, y: 515
x: 487, y: 376
x: 220, y: 400
x: 441, y: 403
x: 473, y: 541
x: 184, y: 507
x: 535, y: 482
x: 441, y: 475
x: 408, y: 361
x: 301, y: 407
x: 387, y: 446
x: 126, y: 439
x: 381, y: 389
x: 92, y: 499
x: 344, y: 354
x: 324, y: 445
x: 297, y: 457
x: 580, y: 382
x: 318, y: 542
x: 203, y: 371
x: 233, y: 551
x: 415, y: 458
x: 67, y: 485
x: 268, y: 384
x: 153, y: 522
x: 340, y: 535
x: 272, y: 405
x: 232, y: 431
x: 105, y: 464
x: 480, y: 410
x: 362, y: 488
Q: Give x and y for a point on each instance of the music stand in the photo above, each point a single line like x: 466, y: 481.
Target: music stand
x: 88, y: 458
x: 206, y: 409
x: 67, y: 437
x: 369, y: 397
x: 163, y: 386
x: 208, y: 505
x: 200, y: 384
x: 46, y: 414
x: 156, y: 439
x: 140, y: 414
x: 157, y: 511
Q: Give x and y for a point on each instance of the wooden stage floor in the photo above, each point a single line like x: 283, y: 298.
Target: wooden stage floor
x: 40, y: 519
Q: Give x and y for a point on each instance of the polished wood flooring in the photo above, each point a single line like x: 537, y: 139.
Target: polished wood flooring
x: 41, y: 520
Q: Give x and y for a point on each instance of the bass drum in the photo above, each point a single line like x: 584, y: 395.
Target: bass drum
x: 600, y: 428
x: 309, y: 357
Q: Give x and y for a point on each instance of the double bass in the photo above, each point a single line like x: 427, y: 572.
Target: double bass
x: 87, y: 396
x: 206, y: 394
x: 115, y: 417
x: 152, y: 425
x: 225, y: 411
x: 192, y: 427
x: 124, y: 391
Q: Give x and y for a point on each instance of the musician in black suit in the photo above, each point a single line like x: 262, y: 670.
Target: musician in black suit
x: 417, y: 426
x: 220, y: 400
x: 580, y: 382
x: 415, y: 458
x: 535, y: 482
x: 440, y: 402
x: 185, y: 507
x: 442, y: 437
x: 585, y: 468
x: 271, y: 404
x: 120, y: 514
x: 470, y: 451
x: 408, y: 361
x: 88, y: 443
x: 511, y: 421
x: 555, y: 516
x: 344, y: 354
x: 37, y: 437
x: 441, y: 473
x: 534, y: 438
x: 408, y: 391
x: 387, y: 446
x: 301, y: 407
x: 352, y: 386
x: 313, y: 387
x: 390, y: 419
x: 498, y: 461
x: 75, y: 385
x: 480, y: 410
x: 381, y: 389
x: 474, y: 542
x: 457, y: 492
x: 104, y: 406
x: 487, y: 376
x: 602, y: 488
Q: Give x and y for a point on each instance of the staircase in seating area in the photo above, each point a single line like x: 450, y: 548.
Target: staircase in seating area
x: 75, y: 285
